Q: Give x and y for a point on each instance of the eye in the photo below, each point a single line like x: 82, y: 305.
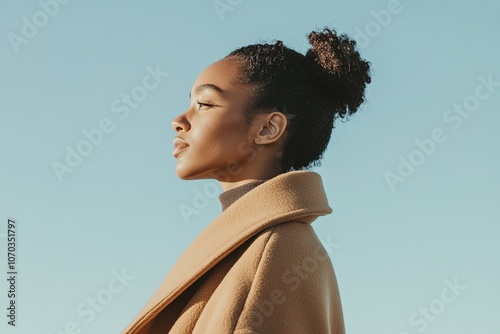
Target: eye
x: 208, y: 105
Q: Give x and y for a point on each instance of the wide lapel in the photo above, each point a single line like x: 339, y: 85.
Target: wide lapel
x: 296, y: 195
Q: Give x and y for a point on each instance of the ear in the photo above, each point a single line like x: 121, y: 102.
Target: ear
x: 270, y: 127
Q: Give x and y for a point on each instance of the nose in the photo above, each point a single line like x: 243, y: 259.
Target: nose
x: 180, y: 123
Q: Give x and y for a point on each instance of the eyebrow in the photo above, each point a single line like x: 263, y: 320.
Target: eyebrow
x: 201, y: 88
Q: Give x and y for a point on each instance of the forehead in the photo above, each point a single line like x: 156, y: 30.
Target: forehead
x: 223, y: 73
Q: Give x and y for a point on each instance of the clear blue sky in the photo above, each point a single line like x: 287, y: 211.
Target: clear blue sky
x: 413, y: 177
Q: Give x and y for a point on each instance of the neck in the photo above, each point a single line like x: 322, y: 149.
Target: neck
x: 230, y: 196
x: 231, y: 185
x: 250, y: 177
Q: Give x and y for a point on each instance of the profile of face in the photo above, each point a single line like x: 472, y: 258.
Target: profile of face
x: 223, y: 136
x: 213, y: 140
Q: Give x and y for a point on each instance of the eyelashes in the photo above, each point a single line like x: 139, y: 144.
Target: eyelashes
x: 200, y: 104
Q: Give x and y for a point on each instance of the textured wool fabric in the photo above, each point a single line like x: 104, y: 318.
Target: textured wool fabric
x: 230, y: 196
x: 258, y: 268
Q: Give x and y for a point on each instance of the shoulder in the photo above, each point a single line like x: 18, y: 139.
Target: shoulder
x: 294, y: 285
x: 293, y: 255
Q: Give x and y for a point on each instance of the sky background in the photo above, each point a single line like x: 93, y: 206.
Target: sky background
x: 406, y: 224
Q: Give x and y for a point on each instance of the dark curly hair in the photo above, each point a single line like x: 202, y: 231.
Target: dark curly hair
x: 312, y: 90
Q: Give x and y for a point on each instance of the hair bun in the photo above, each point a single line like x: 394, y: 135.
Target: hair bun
x: 340, y: 65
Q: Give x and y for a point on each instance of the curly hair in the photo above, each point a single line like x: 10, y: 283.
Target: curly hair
x: 312, y: 90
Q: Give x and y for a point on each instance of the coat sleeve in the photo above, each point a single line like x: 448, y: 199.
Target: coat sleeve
x: 294, y: 289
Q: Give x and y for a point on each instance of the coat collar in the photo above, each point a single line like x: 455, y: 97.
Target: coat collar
x: 296, y: 195
x: 230, y: 196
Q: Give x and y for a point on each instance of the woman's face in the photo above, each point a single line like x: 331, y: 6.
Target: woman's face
x: 213, y: 140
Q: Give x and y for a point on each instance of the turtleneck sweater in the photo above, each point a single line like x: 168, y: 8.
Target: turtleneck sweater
x: 230, y: 196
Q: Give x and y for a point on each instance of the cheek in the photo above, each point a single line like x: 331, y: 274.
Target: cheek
x: 231, y: 137
x: 207, y: 140
x: 220, y: 138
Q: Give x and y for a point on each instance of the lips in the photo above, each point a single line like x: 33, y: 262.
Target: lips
x: 179, y: 146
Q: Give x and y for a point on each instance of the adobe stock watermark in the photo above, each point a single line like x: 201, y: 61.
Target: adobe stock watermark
x: 454, y: 117
x: 381, y: 19
x: 88, y: 310
x: 223, y: 6
x: 122, y: 107
x: 211, y: 190
x: 421, y: 319
x: 329, y: 244
x: 31, y: 26
x: 292, y: 279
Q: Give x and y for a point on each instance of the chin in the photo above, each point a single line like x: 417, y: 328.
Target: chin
x: 183, y: 174
x: 186, y: 173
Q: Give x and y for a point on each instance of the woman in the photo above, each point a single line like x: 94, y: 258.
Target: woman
x: 257, y: 120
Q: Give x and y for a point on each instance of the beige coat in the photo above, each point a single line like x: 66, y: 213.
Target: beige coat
x: 258, y: 268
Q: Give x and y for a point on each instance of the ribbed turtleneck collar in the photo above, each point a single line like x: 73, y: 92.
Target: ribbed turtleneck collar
x: 230, y: 196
